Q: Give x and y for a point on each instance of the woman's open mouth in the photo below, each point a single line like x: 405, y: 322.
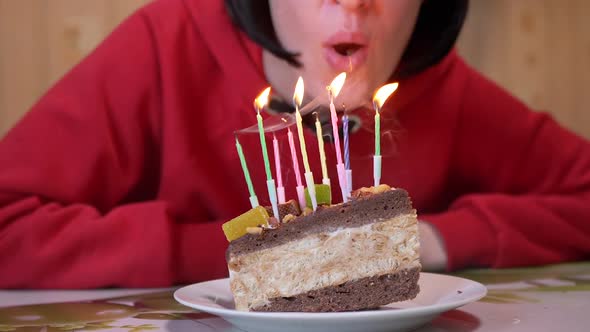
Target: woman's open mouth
x: 345, y: 51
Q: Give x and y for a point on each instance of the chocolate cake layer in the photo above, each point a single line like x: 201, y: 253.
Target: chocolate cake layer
x: 322, y: 260
x: 365, y: 293
x: 359, y: 212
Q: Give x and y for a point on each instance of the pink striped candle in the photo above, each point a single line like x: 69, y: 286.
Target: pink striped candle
x: 275, y: 144
x: 280, y: 188
x: 294, y: 158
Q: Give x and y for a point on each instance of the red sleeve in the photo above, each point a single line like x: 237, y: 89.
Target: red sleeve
x: 526, y: 185
x: 73, y: 171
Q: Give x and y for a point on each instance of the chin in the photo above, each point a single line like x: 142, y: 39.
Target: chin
x: 358, y: 90
x: 354, y: 96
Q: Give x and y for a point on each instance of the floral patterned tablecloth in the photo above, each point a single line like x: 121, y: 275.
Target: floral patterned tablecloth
x: 550, y: 298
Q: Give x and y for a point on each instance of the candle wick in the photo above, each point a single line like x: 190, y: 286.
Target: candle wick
x: 330, y: 93
x: 376, y: 106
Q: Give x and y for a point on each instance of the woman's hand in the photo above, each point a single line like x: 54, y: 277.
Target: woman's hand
x: 433, y: 255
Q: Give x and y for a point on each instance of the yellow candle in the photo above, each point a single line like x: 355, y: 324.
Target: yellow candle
x: 299, y: 121
x: 297, y: 101
x: 318, y: 129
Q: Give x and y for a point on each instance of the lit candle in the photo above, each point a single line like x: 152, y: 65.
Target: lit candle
x: 319, y: 134
x: 334, y: 90
x: 377, y: 132
x: 378, y: 100
x: 280, y: 188
x: 259, y: 104
x: 300, y: 188
x: 297, y: 101
x: 253, y: 198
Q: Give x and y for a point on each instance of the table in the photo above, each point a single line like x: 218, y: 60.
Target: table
x: 549, y: 298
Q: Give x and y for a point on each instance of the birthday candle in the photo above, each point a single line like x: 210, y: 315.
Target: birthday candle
x: 253, y: 198
x: 347, y: 154
x: 300, y: 188
x: 334, y: 90
x: 294, y: 157
x: 259, y: 103
x: 299, y: 122
x: 339, y: 80
x: 378, y: 100
x: 377, y: 132
x: 263, y: 144
x: 280, y: 188
x: 346, y: 142
x: 318, y: 128
x: 275, y: 144
x: 297, y: 100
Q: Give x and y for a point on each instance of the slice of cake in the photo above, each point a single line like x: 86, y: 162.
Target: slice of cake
x: 352, y: 256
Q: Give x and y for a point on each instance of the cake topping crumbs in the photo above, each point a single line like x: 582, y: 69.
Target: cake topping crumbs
x: 307, y: 211
x: 289, y: 218
x: 289, y: 207
x: 254, y: 230
x: 369, y: 191
x: 381, y: 189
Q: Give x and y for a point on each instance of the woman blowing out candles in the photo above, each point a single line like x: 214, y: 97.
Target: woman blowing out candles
x: 122, y: 174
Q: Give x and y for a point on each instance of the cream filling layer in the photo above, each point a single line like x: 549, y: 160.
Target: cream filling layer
x: 324, y: 260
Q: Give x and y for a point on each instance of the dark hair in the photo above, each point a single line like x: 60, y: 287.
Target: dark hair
x: 437, y: 28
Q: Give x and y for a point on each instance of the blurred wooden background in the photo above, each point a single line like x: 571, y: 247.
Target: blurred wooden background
x: 537, y: 49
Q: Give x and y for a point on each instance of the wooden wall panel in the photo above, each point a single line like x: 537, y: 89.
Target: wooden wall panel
x: 537, y: 49
x: 23, y: 62
x: 580, y: 65
x: 41, y: 39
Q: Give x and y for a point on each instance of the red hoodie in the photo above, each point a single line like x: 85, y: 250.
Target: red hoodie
x: 123, y: 173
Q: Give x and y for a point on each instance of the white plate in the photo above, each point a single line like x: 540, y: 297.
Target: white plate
x: 438, y: 293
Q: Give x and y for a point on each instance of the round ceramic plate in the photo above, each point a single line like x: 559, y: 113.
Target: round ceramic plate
x: 438, y: 293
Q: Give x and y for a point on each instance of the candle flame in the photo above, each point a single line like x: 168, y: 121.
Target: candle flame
x: 299, y: 90
x: 262, y: 99
x: 383, y: 93
x: 337, y: 84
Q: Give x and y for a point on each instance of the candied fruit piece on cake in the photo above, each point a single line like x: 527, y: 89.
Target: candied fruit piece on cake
x: 323, y: 195
x: 238, y: 226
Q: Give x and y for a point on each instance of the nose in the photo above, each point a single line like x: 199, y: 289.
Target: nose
x: 353, y: 4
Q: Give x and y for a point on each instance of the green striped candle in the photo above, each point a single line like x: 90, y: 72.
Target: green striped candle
x: 246, y: 173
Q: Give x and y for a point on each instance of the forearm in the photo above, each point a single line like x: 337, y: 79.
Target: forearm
x: 497, y: 230
x: 138, y: 245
